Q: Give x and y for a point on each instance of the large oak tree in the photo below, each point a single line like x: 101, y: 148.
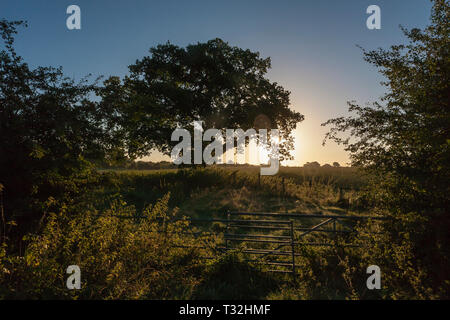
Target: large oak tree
x: 224, y: 86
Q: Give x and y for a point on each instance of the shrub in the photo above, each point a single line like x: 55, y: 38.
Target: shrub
x: 118, y: 257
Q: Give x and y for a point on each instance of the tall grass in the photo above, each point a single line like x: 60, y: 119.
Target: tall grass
x: 292, y: 189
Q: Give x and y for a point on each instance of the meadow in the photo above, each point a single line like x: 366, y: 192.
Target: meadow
x: 212, y: 191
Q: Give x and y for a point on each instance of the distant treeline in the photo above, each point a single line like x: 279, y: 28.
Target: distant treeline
x: 150, y: 165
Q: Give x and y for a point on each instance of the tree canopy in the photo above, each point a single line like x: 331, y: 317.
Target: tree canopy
x: 50, y: 129
x: 223, y: 86
x: 403, y: 141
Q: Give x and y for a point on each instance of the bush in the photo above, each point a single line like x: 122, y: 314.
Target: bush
x: 118, y: 258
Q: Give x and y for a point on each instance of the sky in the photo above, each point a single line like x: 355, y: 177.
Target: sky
x: 312, y: 45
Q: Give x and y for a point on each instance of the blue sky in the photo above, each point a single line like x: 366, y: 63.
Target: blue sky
x: 312, y: 45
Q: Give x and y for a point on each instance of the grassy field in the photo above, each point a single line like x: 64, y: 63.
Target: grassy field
x: 212, y: 191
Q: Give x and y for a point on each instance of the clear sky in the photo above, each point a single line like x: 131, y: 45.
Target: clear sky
x: 312, y: 44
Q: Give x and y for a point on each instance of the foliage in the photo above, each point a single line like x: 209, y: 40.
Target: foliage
x: 118, y: 257
x: 51, y: 133
x: 223, y: 86
x: 334, y: 272
x: 404, y: 143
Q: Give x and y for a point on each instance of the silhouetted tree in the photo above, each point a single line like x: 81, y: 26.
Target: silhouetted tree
x: 313, y: 164
x: 223, y: 86
x: 404, y: 143
x: 50, y: 131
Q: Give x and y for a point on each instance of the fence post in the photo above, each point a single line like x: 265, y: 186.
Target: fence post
x: 293, y: 249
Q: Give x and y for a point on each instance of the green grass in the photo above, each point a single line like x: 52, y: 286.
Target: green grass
x: 212, y: 191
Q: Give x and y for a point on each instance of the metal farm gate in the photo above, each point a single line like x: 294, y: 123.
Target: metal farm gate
x: 272, y: 239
